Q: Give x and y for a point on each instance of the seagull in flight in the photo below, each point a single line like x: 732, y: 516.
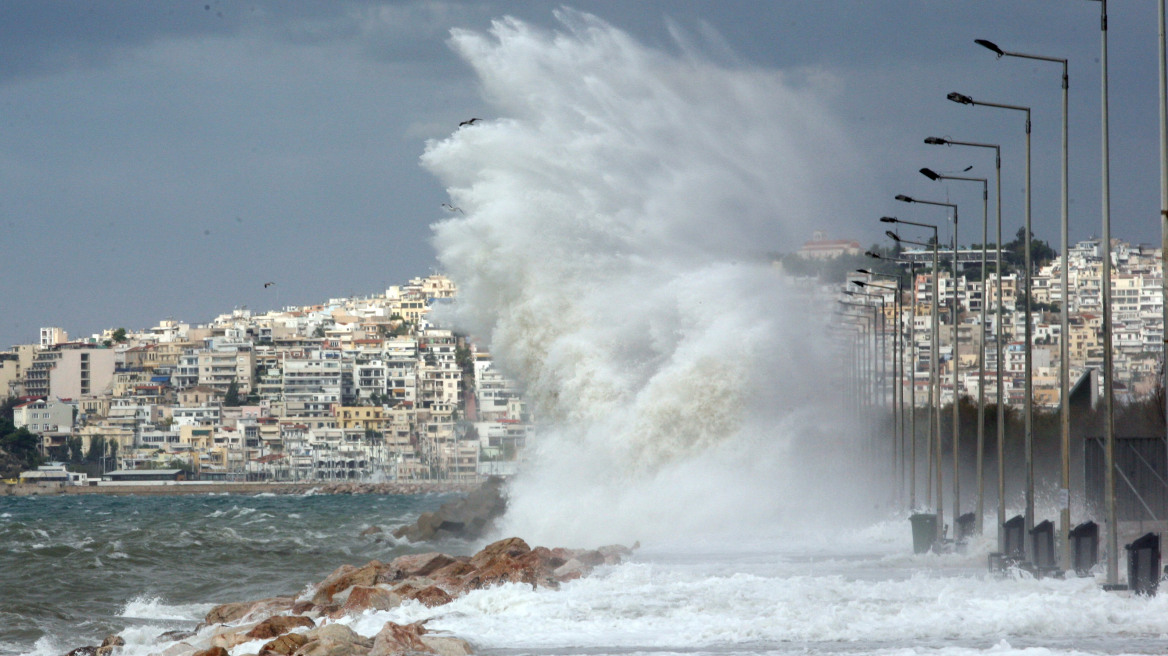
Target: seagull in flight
x: 452, y: 208
x: 268, y: 284
x: 470, y: 121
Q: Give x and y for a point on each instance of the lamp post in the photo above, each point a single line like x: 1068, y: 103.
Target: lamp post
x: 883, y: 332
x: 1108, y: 365
x: 933, y: 175
x: 867, y: 357
x: 878, y: 346
x: 1028, y: 346
x: 912, y: 383
x: 897, y: 374
x: 1001, y: 407
x: 934, y: 369
x: 1064, y: 323
x: 956, y: 364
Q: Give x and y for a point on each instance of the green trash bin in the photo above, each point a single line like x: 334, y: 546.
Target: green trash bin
x: 924, y: 528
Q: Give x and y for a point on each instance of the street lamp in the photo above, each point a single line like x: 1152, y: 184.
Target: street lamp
x: 1028, y: 347
x: 933, y: 175
x: 933, y: 364
x: 912, y: 384
x: 1108, y: 365
x: 897, y: 374
x: 880, y: 353
x: 1001, y: 423
x: 1064, y: 347
x: 883, y: 332
x: 866, y: 356
x: 956, y: 363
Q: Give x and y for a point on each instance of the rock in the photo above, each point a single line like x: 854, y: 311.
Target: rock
x: 286, y: 644
x: 113, y: 641
x: 395, y: 639
x: 467, y: 518
x: 431, y: 596
x: 89, y: 650
x: 213, y: 651
x: 230, y: 637
x: 279, y: 625
x: 226, y: 613
x: 253, y: 610
x: 175, y: 636
x: 414, y: 565
x: 448, y: 645
x: 334, y: 640
x: 513, y: 547
x: 372, y: 530
x: 573, y: 569
x: 345, y: 577
x: 363, y: 598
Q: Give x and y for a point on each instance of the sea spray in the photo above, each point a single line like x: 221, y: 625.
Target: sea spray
x: 612, y: 256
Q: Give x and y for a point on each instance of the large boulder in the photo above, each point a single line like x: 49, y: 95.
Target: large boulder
x: 345, y: 577
x: 278, y: 625
x: 285, y: 645
x: 403, y: 639
x: 335, y: 640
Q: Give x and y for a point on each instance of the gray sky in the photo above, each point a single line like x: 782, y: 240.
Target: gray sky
x: 166, y: 159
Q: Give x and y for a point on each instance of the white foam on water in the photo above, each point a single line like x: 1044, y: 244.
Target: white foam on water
x: 156, y: 608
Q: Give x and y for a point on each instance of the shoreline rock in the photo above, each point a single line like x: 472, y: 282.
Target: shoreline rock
x: 307, y: 625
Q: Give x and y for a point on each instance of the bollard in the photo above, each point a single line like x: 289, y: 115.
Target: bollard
x: 1084, y: 547
x: 1143, y: 564
x: 1042, y: 537
x: 924, y: 530
x: 1015, y: 545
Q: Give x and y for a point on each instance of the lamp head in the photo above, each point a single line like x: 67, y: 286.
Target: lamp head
x: 893, y: 236
x: 959, y: 98
x: 904, y: 199
x: 888, y: 219
x: 873, y: 255
x: 930, y: 174
x: 936, y: 141
x: 859, y: 283
x: 864, y: 271
x: 990, y: 45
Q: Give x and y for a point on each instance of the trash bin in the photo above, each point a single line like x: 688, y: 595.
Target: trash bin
x: 1015, y: 542
x: 966, y: 526
x: 1042, y: 537
x: 924, y: 530
x: 1143, y: 564
x: 1084, y: 547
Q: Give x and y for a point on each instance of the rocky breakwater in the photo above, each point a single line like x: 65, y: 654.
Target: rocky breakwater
x: 468, y: 518
x: 308, y: 625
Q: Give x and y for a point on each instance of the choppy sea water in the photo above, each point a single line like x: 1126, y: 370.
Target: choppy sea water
x: 74, y: 569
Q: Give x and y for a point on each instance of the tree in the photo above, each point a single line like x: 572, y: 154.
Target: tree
x: 74, y: 444
x: 113, y: 452
x: 231, y: 399
x: 96, y: 449
x: 119, y: 335
x: 1014, y: 252
x: 22, y: 445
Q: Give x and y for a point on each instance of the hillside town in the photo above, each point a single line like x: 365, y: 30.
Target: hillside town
x: 352, y: 389
x: 369, y: 388
x: 1137, y: 318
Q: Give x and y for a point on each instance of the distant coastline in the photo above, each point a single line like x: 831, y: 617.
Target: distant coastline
x: 170, y: 488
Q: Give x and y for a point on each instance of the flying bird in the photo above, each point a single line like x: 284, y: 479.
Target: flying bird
x: 268, y: 284
x: 452, y: 208
x: 470, y: 121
